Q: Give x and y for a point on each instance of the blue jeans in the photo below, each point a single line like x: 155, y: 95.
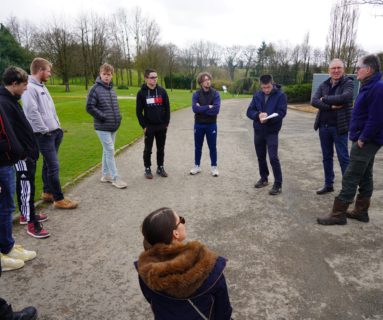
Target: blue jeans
x: 49, y: 147
x: 210, y: 130
x: 268, y: 143
x: 328, y: 138
x: 7, y: 206
x: 107, y: 139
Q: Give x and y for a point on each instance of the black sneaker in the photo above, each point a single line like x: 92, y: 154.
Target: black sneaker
x: 148, y: 173
x: 161, y: 171
x: 261, y: 183
x: 275, y: 190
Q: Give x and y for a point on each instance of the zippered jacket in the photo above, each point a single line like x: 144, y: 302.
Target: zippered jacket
x: 103, y: 106
x: 367, y: 114
x: 276, y: 103
x: 343, y: 96
x: 180, y: 278
x: 39, y: 107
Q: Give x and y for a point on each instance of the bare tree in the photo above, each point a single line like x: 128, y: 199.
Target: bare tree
x: 341, y: 40
x: 123, y: 33
x: 232, y: 55
x: 172, y: 52
x: 189, y: 63
x: 248, y: 56
x: 92, y: 31
x: 57, y: 43
x: 23, y: 31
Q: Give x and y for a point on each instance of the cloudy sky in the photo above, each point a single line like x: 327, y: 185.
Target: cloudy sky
x: 225, y: 22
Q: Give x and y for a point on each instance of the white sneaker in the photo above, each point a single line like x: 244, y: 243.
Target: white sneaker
x: 106, y: 179
x: 195, y: 170
x: 9, y: 264
x: 19, y: 253
x: 214, y: 171
x: 118, y: 183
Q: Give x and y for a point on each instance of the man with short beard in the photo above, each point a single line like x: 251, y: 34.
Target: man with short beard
x: 41, y: 113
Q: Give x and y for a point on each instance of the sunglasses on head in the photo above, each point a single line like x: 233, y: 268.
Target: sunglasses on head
x: 182, y: 220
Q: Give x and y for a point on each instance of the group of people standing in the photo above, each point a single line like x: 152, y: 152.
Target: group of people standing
x: 177, y: 277
x: 185, y: 279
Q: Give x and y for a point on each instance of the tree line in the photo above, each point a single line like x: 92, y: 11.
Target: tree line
x: 130, y: 41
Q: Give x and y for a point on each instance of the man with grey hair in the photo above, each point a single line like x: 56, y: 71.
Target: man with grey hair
x: 333, y: 99
x: 366, y: 134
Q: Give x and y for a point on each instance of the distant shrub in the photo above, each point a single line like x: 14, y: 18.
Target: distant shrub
x: 178, y: 81
x: 298, y: 92
x: 242, y: 86
x: 217, y: 84
x: 123, y: 86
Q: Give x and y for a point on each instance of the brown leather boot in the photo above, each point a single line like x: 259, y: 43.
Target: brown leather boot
x: 360, y: 211
x: 47, y: 197
x: 65, y: 204
x: 338, y: 214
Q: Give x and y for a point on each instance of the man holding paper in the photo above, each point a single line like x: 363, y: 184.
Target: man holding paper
x: 267, y: 110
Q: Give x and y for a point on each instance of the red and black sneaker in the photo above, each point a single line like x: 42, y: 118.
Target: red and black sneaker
x: 40, y: 217
x: 37, y: 230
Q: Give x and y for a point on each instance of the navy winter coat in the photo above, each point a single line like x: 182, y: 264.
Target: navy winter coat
x: 277, y: 103
x: 367, y: 115
x: 176, y: 269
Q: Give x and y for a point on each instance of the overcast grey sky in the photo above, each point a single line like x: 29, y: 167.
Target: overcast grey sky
x: 224, y: 22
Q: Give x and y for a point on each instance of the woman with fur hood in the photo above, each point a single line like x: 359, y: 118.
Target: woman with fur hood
x: 180, y: 280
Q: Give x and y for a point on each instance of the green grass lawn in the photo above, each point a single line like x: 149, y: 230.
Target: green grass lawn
x: 81, y: 149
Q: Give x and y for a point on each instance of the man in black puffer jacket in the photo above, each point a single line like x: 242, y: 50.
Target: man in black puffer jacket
x: 153, y: 113
x: 102, y: 105
x: 333, y: 99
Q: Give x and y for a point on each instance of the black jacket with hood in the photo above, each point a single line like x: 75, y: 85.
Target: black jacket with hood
x: 17, y: 140
x: 152, y: 107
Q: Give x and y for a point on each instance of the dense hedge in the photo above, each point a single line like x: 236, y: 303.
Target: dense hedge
x: 179, y: 81
x: 298, y: 92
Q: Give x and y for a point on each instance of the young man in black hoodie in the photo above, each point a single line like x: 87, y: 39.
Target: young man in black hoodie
x: 153, y: 113
x: 16, y: 143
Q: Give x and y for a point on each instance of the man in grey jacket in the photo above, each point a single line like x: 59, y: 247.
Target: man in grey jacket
x: 333, y: 99
x: 41, y: 113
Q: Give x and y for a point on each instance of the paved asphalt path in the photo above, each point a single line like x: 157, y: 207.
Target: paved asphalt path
x: 282, y: 265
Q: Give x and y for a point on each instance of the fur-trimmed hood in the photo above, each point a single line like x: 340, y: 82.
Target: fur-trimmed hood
x: 178, y: 269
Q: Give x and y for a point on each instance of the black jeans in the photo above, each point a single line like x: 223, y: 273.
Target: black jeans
x: 49, y: 147
x: 359, y: 172
x: 268, y: 143
x: 160, y: 135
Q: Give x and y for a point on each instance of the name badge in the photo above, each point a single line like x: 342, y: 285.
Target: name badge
x: 150, y: 100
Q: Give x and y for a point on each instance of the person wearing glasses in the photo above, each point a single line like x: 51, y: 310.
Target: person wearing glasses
x: 206, y: 103
x: 180, y: 280
x: 366, y: 134
x: 333, y: 99
x: 153, y: 113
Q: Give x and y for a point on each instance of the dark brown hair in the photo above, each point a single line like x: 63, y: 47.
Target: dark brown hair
x: 201, y: 77
x: 148, y: 71
x: 158, y: 226
x: 14, y: 74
